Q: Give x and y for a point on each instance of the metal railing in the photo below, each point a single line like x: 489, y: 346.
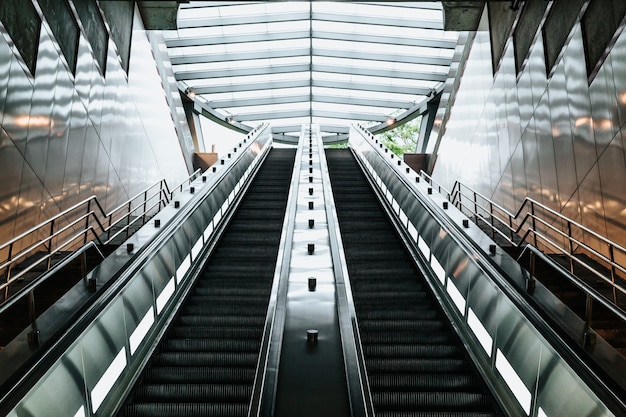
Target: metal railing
x: 538, y: 224
x: 73, y: 227
x: 29, y: 289
x: 592, y: 296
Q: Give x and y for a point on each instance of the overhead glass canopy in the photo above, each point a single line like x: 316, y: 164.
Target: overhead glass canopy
x: 328, y: 63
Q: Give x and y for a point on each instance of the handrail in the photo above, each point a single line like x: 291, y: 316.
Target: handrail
x: 586, y: 288
x: 5, y: 285
x: 31, y: 286
x: 104, y: 222
x: 192, y: 177
x: 530, y: 220
x: 23, y: 254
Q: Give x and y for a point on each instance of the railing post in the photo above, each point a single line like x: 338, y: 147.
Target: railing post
x: 571, y: 247
x: 588, y: 311
x: 50, y: 244
x: 31, y: 306
x: 83, y: 263
x: 86, y: 222
x: 109, y: 227
x: 534, y: 224
x: 161, y: 195
x: 7, y: 273
x: 145, y: 204
x: 612, y: 257
x: 130, y: 206
x: 493, y: 232
x: 475, y: 209
x: 511, y: 229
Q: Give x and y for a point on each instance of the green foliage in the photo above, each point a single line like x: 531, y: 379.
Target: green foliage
x: 342, y: 145
x: 403, y: 138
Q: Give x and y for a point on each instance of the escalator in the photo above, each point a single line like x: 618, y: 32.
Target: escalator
x: 416, y: 364
x: 206, y: 362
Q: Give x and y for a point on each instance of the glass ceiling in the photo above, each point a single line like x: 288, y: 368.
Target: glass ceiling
x: 329, y: 63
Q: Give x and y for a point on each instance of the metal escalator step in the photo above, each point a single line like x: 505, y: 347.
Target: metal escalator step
x: 411, y: 313
x: 412, y: 351
x: 256, y: 228
x: 197, y: 345
x: 402, y: 325
x: 186, y: 410
x: 407, y: 337
x: 240, y: 268
x: 206, y: 332
x: 219, y: 279
x: 199, y: 374
x: 215, y: 321
x: 164, y: 392
x: 244, y: 359
x: 423, y: 382
x: 417, y: 365
x: 203, y: 332
x: 436, y: 401
x: 396, y: 295
x: 249, y: 293
x: 236, y: 345
x: 367, y: 253
x: 400, y: 284
x: 249, y: 253
x: 376, y: 269
x: 464, y: 413
x: 209, y: 310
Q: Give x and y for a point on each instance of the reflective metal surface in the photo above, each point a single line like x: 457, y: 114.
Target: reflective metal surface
x: 68, y: 136
x: 307, y: 366
x: 519, y: 356
x: 572, y: 133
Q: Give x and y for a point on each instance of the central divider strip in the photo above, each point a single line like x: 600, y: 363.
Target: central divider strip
x: 311, y: 378
x: 302, y: 370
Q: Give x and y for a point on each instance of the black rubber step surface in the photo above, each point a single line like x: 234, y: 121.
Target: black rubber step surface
x: 205, y: 366
x: 416, y: 364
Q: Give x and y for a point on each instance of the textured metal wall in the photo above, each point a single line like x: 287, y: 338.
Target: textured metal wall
x: 65, y: 137
x: 558, y: 140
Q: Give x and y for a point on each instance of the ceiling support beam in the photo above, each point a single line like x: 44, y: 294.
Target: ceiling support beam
x: 428, y: 120
x: 239, y: 72
x: 462, y: 15
x: 220, y: 119
x: 302, y: 52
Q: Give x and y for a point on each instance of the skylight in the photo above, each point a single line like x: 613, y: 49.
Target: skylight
x: 310, y: 62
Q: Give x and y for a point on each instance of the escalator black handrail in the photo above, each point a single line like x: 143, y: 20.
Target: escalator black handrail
x: 610, y: 393
x: 19, y: 384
